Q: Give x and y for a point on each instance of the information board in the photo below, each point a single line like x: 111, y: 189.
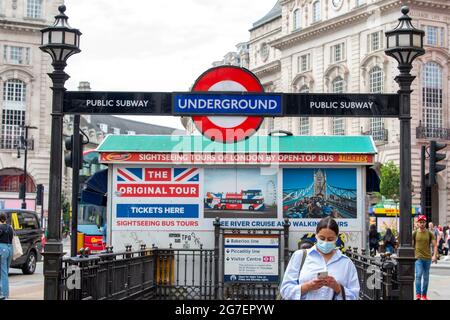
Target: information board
x: 251, y: 258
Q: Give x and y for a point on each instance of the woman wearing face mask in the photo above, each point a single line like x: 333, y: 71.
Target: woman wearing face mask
x: 326, y: 273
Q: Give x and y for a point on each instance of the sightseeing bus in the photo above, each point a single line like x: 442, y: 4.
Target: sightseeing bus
x: 245, y: 200
x: 91, y: 216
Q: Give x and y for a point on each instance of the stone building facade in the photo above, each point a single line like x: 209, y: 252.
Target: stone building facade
x: 25, y: 97
x: 25, y: 100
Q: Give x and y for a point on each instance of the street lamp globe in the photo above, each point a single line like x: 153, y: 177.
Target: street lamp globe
x: 404, y: 42
x: 60, y: 40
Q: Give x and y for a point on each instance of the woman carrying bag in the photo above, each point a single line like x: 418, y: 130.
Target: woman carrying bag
x: 326, y: 273
x: 6, y: 254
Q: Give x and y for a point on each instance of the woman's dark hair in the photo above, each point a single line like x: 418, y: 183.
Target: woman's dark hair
x: 389, y: 236
x: 328, y: 223
x: 373, y: 230
x: 3, y: 217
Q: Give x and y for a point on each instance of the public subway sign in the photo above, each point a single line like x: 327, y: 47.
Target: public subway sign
x: 226, y: 104
x: 231, y: 158
x: 232, y: 104
x: 341, y: 105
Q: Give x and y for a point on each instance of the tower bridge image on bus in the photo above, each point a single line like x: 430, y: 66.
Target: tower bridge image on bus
x: 245, y: 200
x: 318, y: 193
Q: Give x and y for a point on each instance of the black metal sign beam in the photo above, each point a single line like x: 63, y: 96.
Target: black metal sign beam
x: 120, y: 103
x: 232, y: 104
x: 341, y: 105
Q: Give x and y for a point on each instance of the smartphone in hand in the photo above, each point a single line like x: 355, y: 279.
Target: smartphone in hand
x: 322, y: 274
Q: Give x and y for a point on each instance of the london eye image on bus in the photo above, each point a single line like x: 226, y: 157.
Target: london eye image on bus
x: 319, y: 193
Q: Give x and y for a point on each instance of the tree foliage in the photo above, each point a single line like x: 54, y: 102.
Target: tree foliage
x: 390, y: 181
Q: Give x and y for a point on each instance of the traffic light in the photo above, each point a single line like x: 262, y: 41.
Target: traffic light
x: 69, y: 157
x: 39, y: 194
x: 435, y: 157
x: 22, y: 191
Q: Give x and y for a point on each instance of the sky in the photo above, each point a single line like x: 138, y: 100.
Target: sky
x: 150, y: 45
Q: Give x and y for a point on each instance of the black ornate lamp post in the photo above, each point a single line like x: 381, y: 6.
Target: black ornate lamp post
x: 405, y: 43
x: 60, y: 41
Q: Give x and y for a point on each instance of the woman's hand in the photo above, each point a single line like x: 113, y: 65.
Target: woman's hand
x: 333, y: 284
x: 314, y: 284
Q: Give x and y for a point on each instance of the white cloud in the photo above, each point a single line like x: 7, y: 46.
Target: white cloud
x: 149, y: 45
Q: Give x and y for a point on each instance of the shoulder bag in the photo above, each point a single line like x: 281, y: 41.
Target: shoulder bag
x: 17, y: 247
x: 304, y: 254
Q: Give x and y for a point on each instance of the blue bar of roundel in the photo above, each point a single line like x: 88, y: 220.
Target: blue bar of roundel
x: 157, y: 211
x: 183, y: 104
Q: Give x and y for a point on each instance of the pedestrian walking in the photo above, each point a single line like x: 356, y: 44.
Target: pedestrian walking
x: 446, y: 240
x: 321, y: 272
x: 441, y: 241
x: 422, y: 239
x: 389, y: 241
x: 374, y: 239
x: 6, y: 254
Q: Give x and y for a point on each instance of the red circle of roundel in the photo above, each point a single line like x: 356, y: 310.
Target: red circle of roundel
x: 246, y: 128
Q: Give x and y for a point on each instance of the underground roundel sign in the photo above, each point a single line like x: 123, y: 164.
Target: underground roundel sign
x: 227, y: 129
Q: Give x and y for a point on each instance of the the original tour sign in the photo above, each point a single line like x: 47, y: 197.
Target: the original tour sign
x: 237, y: 128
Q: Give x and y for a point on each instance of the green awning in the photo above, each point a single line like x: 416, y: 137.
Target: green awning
x: 261, y: 144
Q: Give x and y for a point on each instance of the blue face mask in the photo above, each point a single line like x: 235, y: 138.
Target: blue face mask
x: 325, y: 246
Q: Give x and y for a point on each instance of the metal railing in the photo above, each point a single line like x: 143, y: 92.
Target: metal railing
x: 184, y: 274
x: 109, y: 276
x: 423, y: 132
x: 198, y: 274
x: 14, y: 142
x: 377, y: 275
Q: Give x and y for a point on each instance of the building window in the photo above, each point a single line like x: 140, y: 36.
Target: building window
x: 304, y: 123
x: 376, y: 85
x: 316, y: 11
x: 131, y: 133
x: 337, y: 52
x: 432, y: 97
x: 264, y: 51
x: 375, y: 41
x: 304, y: 126
x: 16, y: 55
x: 304, y: 63
x: 376, y: 80
x: 34, y: 9
x: 103, y: 127
x: 11, y: 179
x: 116, y: 130
x: 435, y: 36
x: 13, y: 113
x: 338, y: 124
x: 338, y: 85
x: 297, y: 23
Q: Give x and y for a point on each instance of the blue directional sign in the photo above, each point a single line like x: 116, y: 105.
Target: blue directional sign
x: 227, y: 104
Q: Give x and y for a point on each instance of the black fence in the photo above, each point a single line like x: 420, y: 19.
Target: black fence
x: 109, y: 276
x: 182, y: 274
x: 377, y: 275
x: 198, y: 274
